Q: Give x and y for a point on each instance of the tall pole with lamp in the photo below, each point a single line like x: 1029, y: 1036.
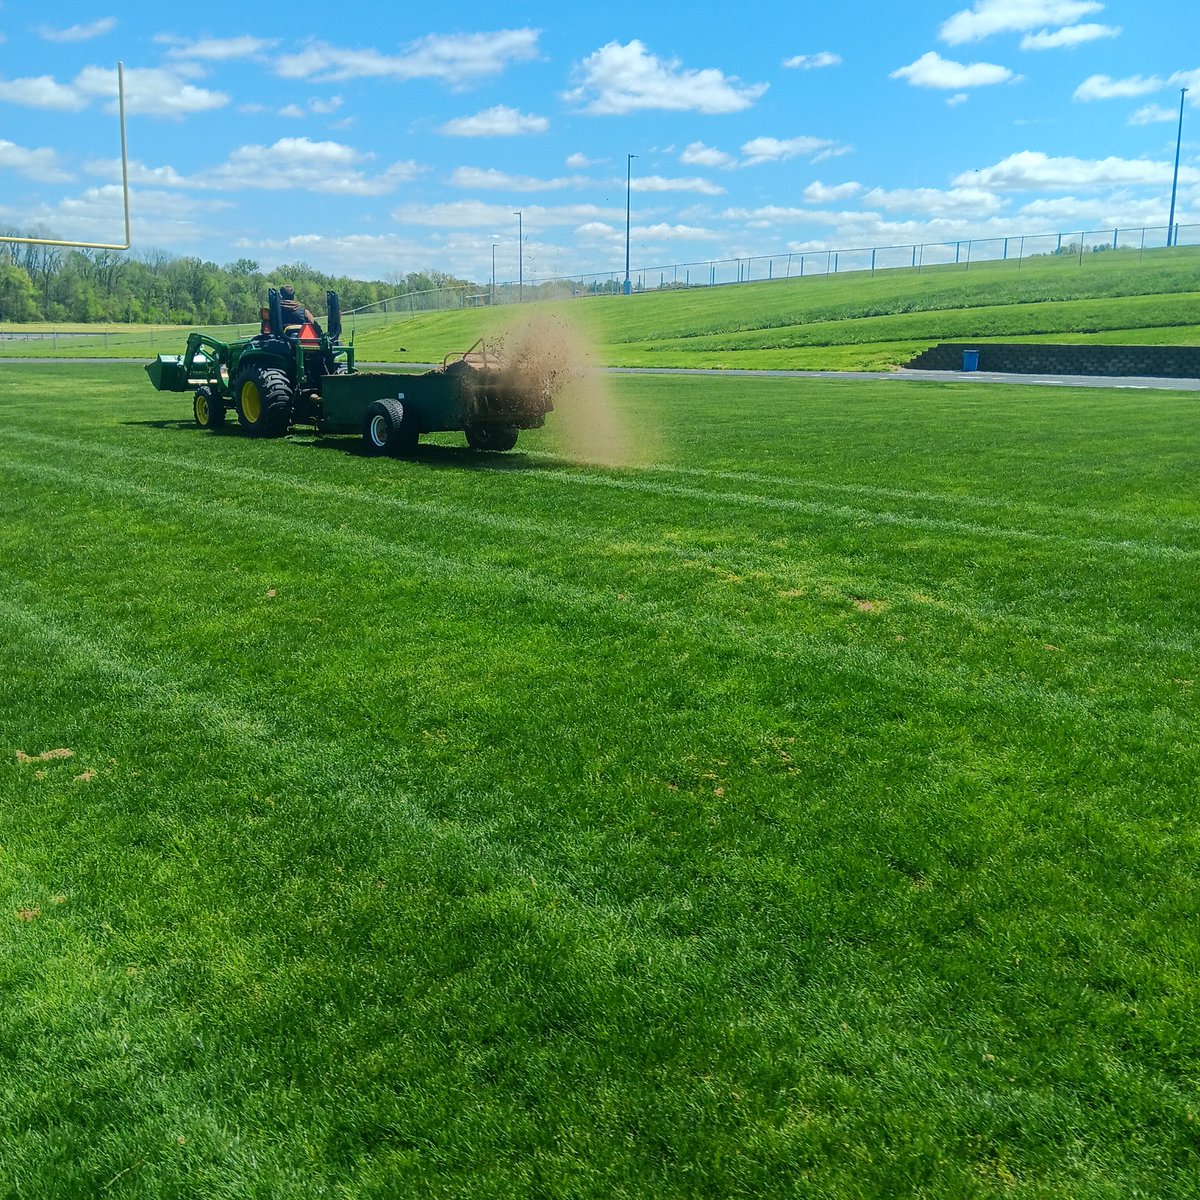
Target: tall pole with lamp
x: 1175, y: 177
x: 628, y: 192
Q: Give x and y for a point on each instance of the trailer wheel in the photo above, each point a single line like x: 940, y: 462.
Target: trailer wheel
x: 264, y: 400
x: 387, y: 429
x: 208, y: 407
x: 491, y: 437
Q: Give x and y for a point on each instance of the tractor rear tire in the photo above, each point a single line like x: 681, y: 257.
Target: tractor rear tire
x: 388, y: 429
x: 264, y: 400
x: 491, y: 437
x: 208, y: 407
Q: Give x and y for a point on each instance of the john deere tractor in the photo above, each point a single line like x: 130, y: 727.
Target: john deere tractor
x: 301, y: 375
x: 269, y: 380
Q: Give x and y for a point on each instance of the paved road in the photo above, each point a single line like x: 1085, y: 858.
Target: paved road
x: 1145, y: 382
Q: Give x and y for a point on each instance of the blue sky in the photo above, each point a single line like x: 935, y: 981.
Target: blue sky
x: 378, y: 138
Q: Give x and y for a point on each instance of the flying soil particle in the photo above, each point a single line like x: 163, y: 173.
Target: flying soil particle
x: 549, y: 351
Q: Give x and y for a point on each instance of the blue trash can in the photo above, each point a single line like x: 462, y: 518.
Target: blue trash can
x: 970, y: 360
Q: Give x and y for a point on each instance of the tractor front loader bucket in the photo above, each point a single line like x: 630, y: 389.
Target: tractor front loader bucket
x: 168, y: 373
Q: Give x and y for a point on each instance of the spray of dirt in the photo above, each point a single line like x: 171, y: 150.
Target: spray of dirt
x: 548, y: 350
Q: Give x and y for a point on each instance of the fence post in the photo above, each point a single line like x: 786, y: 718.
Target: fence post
x: 872, y: 262
x: 1082, y: 235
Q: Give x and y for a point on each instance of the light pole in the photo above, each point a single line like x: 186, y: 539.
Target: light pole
x: 1175, y: 178
x: 520, y: 256
x: 493, y: 302
x: 628, y: 192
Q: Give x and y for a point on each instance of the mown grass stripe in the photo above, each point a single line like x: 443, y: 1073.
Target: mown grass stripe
x: 954, y: 679
x: 1151, y: 550
x: 848, y: 514
x: 785, y: 572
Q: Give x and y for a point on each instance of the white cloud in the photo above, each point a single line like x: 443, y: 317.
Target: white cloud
x: 697, y: 154
x: 811, y: 62
x: 1033, y: 171
x: 1101, y: 87
x: 292, y: 111
x: 325, y: 107
x: 963, y: 201
x: 957, y: 99
x: 988, y: 17
x: 219, y: 49
x: 78, y: 33
x: 457, y: 59
x: 1070, y: 35
x: 689, y: 233
x: 295, y: 164
x: 1149, y: 114
x: 657, y: 183
x: 493, y: 180
x: 499, y: 121
x: 770, y: 149
x: 475, y: 214
x: 151, y: 91
x: 42, y: 165
x: 628, y: 78
x: 931, y: 70
x: 42, y: 91
x: 139, y: 173
x: 579, y: 161
x: 819, y: 193
x: 299, y: 164
x: 595, y: 229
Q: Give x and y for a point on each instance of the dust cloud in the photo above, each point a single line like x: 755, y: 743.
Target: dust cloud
x: 547, y: 350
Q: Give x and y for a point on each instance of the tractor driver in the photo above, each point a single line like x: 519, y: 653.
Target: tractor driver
x: 294, y: 313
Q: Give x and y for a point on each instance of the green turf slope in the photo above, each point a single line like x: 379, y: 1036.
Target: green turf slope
x: 841, y: 322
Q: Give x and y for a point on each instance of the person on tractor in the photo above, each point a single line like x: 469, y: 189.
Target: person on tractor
x: 294, y: 313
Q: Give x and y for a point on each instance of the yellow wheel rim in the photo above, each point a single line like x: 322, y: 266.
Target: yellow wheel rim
x: 251, y: 402
x: 202, y: 409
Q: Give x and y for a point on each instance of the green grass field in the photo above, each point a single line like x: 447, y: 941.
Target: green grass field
x: 806, y: 811
x: 839, y: 322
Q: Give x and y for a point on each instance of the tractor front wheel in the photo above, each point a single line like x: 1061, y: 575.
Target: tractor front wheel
x: 387, y: 429
x: 491, y: 437
x: 208, y: 407
x: 264, y: 400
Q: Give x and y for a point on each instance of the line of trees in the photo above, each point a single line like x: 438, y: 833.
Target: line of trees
x: 53, y: 283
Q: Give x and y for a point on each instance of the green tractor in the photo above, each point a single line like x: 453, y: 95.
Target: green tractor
x: 301, y: 375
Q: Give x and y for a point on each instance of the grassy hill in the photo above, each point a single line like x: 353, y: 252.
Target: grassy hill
x: 851, y: 321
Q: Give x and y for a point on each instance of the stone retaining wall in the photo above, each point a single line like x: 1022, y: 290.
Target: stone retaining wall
x: 1031, y: 358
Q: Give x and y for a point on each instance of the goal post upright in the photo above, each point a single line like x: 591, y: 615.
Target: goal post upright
x: 32, y: 241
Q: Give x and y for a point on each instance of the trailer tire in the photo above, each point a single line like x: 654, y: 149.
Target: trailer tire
x: 264, y: 400
x: 208, y: 407
x: 388, y: 429
x: 491, y: 437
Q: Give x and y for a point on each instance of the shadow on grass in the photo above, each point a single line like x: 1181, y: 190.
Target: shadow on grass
x: 427, y: 454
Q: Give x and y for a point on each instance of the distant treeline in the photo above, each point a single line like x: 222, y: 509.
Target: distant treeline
x: 52, y: 283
